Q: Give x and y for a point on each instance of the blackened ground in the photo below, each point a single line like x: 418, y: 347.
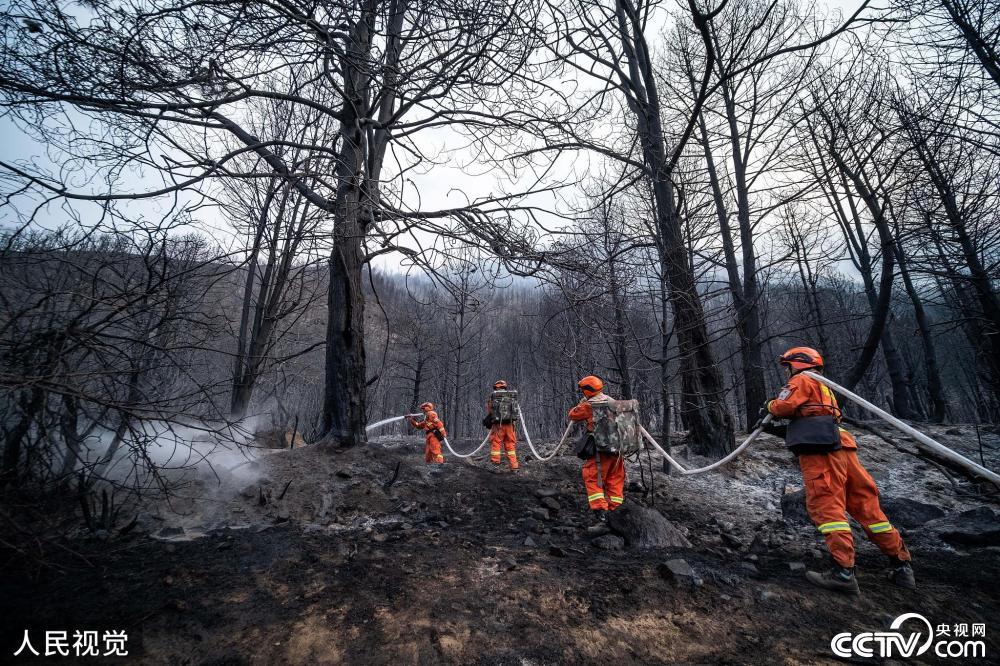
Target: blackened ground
x: 436, y: 569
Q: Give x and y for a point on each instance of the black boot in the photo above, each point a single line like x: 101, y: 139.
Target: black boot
x: 838, y: 579
x: 902, y: 575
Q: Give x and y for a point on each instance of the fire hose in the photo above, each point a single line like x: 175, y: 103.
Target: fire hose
x: 527, y: 438
x: 393, y: 419
x: 718, y: 463
x: 922, y: 439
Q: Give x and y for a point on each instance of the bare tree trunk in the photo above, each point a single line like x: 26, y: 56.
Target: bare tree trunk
x: 703, y: 408
x: 345, y: 385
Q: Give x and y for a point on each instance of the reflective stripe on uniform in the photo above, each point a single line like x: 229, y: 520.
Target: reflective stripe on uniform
x: 878, y: 528
x: 838, y: 526
x: 512, y: 454
x: 595, y: 496
x: 615, y: 500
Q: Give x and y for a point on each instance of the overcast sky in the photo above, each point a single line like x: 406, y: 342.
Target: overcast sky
x: 451, y: 183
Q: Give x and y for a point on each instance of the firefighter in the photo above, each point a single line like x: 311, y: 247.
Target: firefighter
x: 603, y: 472
x: 434, y: 428
x: 503, y: 434
x: 836, y: 483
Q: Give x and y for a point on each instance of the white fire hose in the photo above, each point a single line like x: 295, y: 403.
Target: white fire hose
x: 393, y: 419
x: 923, y: 440
x: 719, y: 463
x: 527, y: 437
x: 466, y: 455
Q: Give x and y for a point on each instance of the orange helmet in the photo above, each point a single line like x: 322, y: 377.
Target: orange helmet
x: 801, y: 358
x: 427, y: 406
x: 499, y: 384
x: 591, y: 385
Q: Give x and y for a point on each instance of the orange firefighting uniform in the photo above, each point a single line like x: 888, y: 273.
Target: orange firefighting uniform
x: 612, y: 472
x: 502, y: 436
x: 836, y: 483
x: 432, y: 445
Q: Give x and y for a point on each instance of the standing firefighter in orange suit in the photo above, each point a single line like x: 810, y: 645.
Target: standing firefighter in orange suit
x: 501, y: 419
x: 603, y: 472
x: 836, y: 483
x: 435, y: 433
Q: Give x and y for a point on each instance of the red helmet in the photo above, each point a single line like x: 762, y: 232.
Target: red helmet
x: 499, y: 384
x: 801, y: 358
x: 591, y: 385
x: 432, y: 415
x: 427, y: 406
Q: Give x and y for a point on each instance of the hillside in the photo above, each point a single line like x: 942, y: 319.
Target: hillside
x: 358, y: 564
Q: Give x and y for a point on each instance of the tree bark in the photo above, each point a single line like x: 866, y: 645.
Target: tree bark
x: 345, y: 377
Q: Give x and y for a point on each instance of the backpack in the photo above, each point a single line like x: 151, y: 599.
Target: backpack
x: 504, y: 405
x: 616, y: 426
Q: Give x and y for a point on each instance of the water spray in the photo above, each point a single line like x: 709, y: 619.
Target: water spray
x: 391, y: 419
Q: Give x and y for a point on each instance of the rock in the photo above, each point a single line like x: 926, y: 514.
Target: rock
x: 905, y: 512
x: 732, y: 540
x: 530, y: 524
x: 975, y: 527
x: 550, y: 503
x: 796, y: 567
x: 793, y: 508
x: 954, y: 431
x: 679, y: 571
x: 406, y: 526
x: 750, y: 569
x: 759, y: 545
x: 530, y: 543
x: 250, y: 492
x: 342, y: 474
x: 609, y: 542
x: 546, y: 492
x: 539, y: 513
x: 510, y: 563
x: 766, y: 595
x: 556, y: 551
x: 283, y: 516
x: 642, y: 527
x: 751, y: 558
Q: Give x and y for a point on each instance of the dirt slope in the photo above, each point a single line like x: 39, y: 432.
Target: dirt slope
x: 468, y: 566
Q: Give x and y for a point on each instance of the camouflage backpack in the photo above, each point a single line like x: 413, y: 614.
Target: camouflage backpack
x: 616, y: 426
x: 504, y: 406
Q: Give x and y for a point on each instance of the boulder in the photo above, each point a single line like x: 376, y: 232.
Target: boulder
x: 642, y: 527
x: 679, y: 571
x: 546, y: 492
x: 975, y: 527
x: 905, y: 512
x: 550, y: 503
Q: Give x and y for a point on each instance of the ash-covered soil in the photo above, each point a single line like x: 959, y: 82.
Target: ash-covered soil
x: 369, y: 556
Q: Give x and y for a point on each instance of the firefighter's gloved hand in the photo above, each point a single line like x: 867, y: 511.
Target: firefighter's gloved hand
x: 488, y: 421
x: 761, y: 415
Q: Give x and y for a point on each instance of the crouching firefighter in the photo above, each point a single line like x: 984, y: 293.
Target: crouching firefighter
x: 434, y: 427
x: 501, y: 419
x: 612, y: 432
x: 836, y: 483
